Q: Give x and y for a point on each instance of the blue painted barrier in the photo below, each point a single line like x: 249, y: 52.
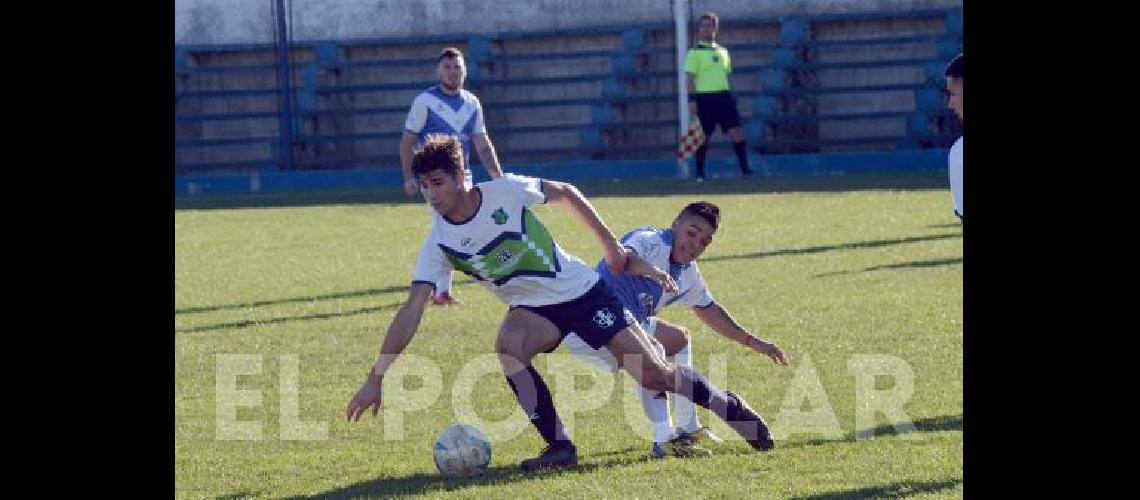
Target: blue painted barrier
x: 574, y: 171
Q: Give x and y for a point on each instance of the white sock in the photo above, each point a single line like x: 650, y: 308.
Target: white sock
x: 683, y: 408
x: 657, y: 409
x: 443, y: 285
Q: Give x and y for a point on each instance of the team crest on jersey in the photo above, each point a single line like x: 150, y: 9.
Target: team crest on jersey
x: 465, y: 243
x: 646, y: 301
x: 505, y: 255
x: 500, y: 216
x: 604, y: 318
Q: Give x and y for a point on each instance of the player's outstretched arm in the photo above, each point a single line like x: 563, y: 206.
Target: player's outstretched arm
x: 487, y: 155
x: 721, y: 322
x: 639, y: 267
x: 568, y: 196
x: 400, y: 333
x: 407, y: 145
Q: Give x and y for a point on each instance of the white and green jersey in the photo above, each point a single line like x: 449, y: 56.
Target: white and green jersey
x: 506, y: 248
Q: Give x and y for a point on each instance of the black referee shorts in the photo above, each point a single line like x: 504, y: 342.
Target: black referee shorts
x: 717, y: 108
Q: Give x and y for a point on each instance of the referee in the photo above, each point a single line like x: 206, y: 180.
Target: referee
x: 708, y: 66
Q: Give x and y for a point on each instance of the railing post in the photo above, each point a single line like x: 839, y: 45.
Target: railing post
x: 285, y: 89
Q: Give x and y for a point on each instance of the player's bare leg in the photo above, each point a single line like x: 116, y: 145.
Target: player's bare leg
x: 678, y: 348
x: 633, y: 350
x: 523, y: 335
x: 737, y: 135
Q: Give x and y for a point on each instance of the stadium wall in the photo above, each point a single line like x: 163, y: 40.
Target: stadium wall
x: 206, y: 22
x: 590, y: 170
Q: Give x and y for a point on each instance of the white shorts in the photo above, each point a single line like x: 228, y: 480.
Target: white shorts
x: 603, y: 359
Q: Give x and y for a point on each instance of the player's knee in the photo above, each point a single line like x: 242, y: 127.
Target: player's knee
x: 674, y: 339
x: 683, y: 338
x: 510, y: 352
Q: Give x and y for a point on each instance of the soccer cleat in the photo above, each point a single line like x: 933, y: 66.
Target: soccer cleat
x: 681, y: 446
x: 702, y: 436
x: 750, y: 425
x: 444, y: 299
x: 552, y: 457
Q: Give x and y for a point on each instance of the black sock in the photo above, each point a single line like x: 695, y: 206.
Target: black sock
x: 534, y: 397
x: 741, y: 156
x: 699, y: 390
x: 700, y: 155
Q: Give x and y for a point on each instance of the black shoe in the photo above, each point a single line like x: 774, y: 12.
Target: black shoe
x: 552, y: 457
x: 750, y: 425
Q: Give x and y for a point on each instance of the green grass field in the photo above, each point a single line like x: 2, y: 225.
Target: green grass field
x: 831, y: 270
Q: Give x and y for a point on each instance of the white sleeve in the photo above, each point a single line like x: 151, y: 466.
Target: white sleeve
x: 479, y: 127
x: 646, y: 245
x: 431, y: 266
x: 417, y: 115
x: 529, y: 189
x: 698, y: 294
x: 956, y: 174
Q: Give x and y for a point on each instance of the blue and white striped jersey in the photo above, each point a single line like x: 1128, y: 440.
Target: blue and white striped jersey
x: 435, y: 112
x: 643, y: 296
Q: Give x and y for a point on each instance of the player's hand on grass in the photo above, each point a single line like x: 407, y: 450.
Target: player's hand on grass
x: 367, y: 397
x: 411, y: 187
x: 769, y: 349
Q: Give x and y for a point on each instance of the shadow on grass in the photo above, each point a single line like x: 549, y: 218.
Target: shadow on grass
x: 272, y: 321
x: 841, y: 246
x: 893, y: 490
x: 237, y: 496
x: 917, y: 263
x: 435, y: 484
x: 901, y: 265
x: 331, y: 296
x: 930, y: 424
x: 632, y: 188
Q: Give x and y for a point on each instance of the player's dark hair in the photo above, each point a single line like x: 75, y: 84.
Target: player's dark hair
x: 710, y: 15
x: 451, y: 52
x: 704, y: 210
x: 439, y: 152
x: 954, y: 69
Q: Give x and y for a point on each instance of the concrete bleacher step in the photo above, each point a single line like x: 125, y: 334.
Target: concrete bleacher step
x: 584, y: 40
x: 571, y: 115
x: 845, y: 82
x: 507, y: 68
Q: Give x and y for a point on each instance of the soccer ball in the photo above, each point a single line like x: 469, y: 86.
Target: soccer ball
x: 462, y: 451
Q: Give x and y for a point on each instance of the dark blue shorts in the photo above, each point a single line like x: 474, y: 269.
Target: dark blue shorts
x: 717, y: 108
x: 596, y: 315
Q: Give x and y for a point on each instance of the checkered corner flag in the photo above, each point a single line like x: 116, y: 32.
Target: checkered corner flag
x: 691, y: 140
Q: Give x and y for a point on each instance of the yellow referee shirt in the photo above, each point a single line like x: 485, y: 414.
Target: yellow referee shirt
x: 710, y: 66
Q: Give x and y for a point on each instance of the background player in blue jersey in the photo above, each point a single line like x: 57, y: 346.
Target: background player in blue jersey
x: 447, y: 108
x: 489, y: 232
x: 675, y: 249
x: 954, y: 73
